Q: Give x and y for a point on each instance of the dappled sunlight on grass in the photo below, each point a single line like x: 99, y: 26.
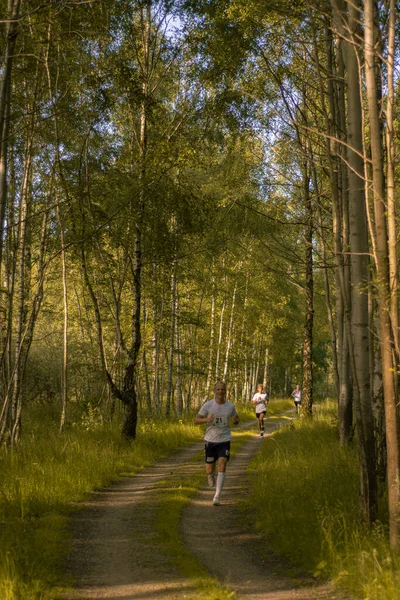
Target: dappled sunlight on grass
x: 44, y: 479
x: 310, y: 486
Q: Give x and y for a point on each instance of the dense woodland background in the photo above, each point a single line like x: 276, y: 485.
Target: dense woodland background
x: 193, y: 191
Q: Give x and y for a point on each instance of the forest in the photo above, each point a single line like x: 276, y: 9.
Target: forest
x: 202, y: 190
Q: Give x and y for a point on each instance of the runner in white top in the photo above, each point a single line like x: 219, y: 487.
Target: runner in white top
x: 296, y: 394
x: 216, y: 414
x: 261, y: 400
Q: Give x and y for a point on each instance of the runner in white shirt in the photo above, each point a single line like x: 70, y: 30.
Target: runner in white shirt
x: 296, y: 394
x: 260, y: 399
x: 216, y: 414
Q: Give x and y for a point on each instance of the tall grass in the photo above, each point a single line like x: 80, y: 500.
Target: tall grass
x: 48, y: 474
x: 304, y: 489
x: 44, y: 478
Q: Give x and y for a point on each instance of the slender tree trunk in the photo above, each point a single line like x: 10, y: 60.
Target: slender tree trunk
x: 129, y: 384
x: 64, y: 370
x: 383, y: 281
x: 179, y: 393
x: 242, y: 343
x: 172, y: 341
x: 192, y: 355
x: 149, y: 406
x: 347, y: 19
x: 5, y: 102
x: 265, y: 375
x: 307, y: 394
x: 212, y: 334
x: 219, y: 347
x: 230, y: 331
x: 342, y: 248
x: 390, y: 186
x: 331, y: 147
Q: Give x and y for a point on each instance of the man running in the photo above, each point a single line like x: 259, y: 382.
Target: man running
x: 216, y: 414
x: 260, y: 399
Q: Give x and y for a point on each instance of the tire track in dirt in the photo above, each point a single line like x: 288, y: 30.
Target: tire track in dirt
x: 228, y: 547
x: 113, y: 551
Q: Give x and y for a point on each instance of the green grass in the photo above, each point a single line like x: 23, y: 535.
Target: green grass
x: 304, y: 498
x: 304, y: 489
x: 44, y: 479
x: 47, y: 475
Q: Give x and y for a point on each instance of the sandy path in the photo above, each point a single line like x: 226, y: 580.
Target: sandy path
x: 114, y: 555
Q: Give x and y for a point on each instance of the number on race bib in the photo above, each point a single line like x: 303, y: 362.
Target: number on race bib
x: 220, y: 421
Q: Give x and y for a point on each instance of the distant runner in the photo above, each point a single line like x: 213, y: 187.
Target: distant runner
x: 261, y: 400
x: 216, y: 414
x: 297, y: 398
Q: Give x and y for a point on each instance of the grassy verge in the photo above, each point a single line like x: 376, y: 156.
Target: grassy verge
x: 44, y: 479
x: 48, y: 474
x: 305, y: 491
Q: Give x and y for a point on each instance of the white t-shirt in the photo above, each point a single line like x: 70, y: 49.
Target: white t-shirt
x: 297, y: 395
x: 261, y: 399
x: 219, y: 430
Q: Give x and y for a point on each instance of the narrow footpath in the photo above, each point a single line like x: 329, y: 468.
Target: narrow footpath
x: 114, y: 554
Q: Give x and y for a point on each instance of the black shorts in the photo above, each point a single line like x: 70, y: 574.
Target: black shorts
x: 215, y: 450
x: 263, y: 413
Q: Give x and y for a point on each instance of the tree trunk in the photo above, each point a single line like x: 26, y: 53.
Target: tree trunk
x: 179, y: 392
x: 5, y: 103
x: 347, y: 23
x: 64, y: 370
x: 390, y: 188
x: 172, y: 341
x: 383, y: 282
x: 307, y: 393
x: 230, y: 331
x: 265, y: 375
x: 212, y: 334
x: 219, y: 347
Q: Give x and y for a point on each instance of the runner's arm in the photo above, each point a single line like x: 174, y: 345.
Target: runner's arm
x: 201, y: 419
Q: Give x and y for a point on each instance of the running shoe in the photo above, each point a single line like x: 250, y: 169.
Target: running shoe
x: 262, y: 434
x: 216, y: 501
x: 211, y: 480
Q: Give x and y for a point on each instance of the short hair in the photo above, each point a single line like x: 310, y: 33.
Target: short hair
x: 220, y: 381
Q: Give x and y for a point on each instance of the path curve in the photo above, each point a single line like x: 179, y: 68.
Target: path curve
x: 113, y: 553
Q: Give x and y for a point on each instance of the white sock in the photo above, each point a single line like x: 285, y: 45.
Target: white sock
x: 220, y: 483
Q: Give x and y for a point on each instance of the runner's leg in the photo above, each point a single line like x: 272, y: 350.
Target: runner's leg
x: 210, y: 467
x: 262, y: 423
x: 221, y: 475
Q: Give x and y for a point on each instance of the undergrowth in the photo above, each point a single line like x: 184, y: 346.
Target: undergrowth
x: 303, y: 493
x: 48, y: 474
x: 304, y: 489
x: 45, y: 478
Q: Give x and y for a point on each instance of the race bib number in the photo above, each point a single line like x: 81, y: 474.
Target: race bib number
x: 220, y: 421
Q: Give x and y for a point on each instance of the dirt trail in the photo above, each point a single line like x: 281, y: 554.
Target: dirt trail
x: 114, y: 556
